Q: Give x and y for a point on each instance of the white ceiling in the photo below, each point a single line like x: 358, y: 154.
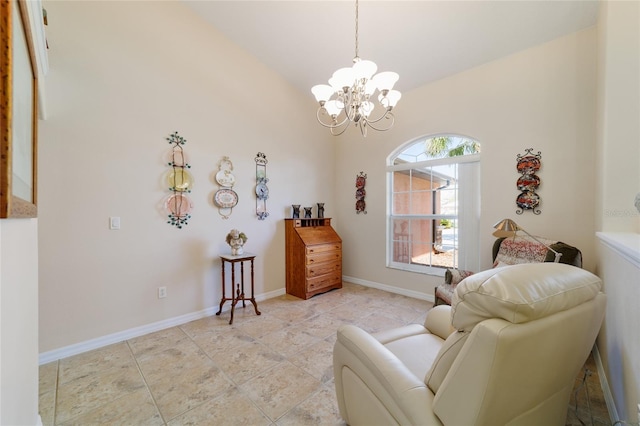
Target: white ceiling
x: 307, y: 40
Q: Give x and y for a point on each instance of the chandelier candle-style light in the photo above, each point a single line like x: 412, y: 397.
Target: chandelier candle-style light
x: 348, y: 96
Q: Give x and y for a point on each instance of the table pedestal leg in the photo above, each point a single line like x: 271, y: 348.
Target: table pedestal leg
x: 223, y: 295
x: 233, y: 297
x: 253, y: 299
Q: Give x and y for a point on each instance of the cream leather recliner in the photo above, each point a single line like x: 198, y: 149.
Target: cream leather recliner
x: 507, y: 352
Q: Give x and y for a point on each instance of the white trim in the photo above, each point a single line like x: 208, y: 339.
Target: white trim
x: 424, y: 138
x: 36, y: 24
x: 131, y: 333
x: 390, y: 289
x: 606, y: 390
x: 468, y: 158
x: 626, y: 244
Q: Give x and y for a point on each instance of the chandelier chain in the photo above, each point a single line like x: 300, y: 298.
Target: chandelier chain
x: 356, y: 29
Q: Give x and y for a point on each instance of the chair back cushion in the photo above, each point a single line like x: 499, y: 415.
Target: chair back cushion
x: 521, y: 293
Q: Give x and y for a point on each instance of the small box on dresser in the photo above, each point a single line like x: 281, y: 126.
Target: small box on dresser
x: 313, y: 257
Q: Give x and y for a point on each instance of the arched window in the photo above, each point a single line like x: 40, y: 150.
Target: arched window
x: 434, y: 204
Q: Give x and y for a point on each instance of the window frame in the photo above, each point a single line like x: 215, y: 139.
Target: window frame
x: 459, y: 217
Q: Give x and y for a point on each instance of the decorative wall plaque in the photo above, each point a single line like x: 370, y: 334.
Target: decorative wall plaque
x: 527, y: 165
x: 262, y: 191
x: 361, y: 181
x: 225, y: 198
x: 178, y: 205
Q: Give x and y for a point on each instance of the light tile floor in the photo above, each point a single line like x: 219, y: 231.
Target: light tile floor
x: 587, y: 405
x: 273, y: 369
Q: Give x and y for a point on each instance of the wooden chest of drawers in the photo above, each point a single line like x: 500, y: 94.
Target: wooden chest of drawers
x: 313, y: 257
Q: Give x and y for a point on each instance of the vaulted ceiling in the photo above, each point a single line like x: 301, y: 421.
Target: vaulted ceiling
x: 306, y: 41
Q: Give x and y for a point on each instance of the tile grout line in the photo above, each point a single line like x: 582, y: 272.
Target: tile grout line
x: 146, y: 385
x: 55, y: 392
x: 236, y: 385
x: 285, y: 359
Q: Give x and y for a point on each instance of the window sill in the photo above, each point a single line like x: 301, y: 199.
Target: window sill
x: 419, y: 269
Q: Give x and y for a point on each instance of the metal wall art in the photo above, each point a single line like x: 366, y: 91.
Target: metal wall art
x: 178, y: 205
x: 225, y: 198
x: 262, y: 191
x: 527, y: 165
x: 361, y: 181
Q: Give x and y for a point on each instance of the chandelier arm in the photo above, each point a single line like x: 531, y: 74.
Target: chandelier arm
x: 389, y: 116
x: 344, y: 129
x: 332, y: 125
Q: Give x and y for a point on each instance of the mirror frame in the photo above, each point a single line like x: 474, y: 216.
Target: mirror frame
x: 12, y: 206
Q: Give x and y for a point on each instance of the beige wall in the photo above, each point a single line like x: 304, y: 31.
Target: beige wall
x: 541, y: 98
x: 124, y: 75
x: 18, y: 321
x: 618, y: 146
x: 618, y: 116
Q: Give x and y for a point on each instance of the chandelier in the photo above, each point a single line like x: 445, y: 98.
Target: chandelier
x: 348, y: 96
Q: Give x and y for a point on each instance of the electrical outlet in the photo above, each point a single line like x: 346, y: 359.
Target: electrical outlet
x: 162, y: 292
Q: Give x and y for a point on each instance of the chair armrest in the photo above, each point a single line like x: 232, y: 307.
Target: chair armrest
x: 361, y: 360
x: 438, y: 321
x: 453, y: 276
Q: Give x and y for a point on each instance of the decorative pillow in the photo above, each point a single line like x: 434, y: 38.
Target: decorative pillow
x: 570, y: 254
x: 521, y: 293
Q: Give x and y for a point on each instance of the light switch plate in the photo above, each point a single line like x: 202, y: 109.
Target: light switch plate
x: 114, y: 222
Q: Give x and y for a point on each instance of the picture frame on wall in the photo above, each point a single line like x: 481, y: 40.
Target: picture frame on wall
x: 18, y: 113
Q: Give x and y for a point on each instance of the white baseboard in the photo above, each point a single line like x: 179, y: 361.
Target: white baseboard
x: 120, y: 336
x: 390, y: 289
x: 131, y: 333
x: 606, y: 390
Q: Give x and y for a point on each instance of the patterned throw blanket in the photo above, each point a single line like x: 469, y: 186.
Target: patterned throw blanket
x: 524, y: 249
